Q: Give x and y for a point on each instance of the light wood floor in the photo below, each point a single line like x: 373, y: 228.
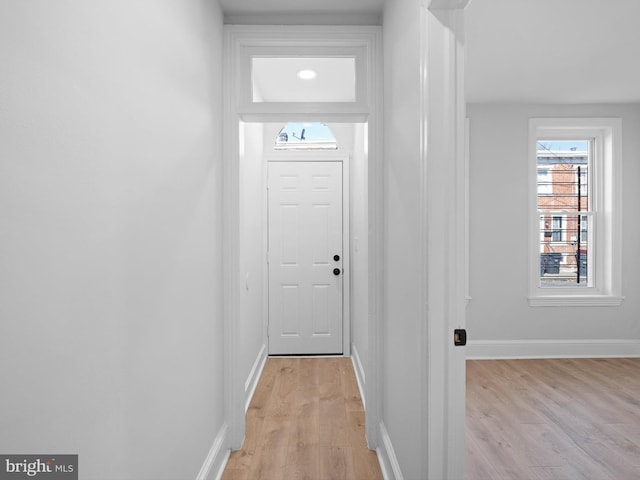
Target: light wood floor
x: 553, y: 419
x: 305, y: 421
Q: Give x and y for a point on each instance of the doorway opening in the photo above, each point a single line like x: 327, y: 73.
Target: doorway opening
x: 267, y: 240
x: 255, y: 112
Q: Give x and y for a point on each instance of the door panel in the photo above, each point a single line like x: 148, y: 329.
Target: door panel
x: 305, y: 232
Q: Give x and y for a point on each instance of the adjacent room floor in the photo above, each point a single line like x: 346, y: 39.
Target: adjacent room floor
x: 305, y: 421
x: 553, y: 419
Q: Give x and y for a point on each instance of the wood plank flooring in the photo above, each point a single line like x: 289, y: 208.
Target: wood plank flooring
x: 305, y: 421
x: 561, y: 419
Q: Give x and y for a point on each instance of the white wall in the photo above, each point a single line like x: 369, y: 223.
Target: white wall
x: 253, y: 198
x: 401, y: 364
x: 498, y: 233
x: 359, y: 232
x: 110, y: 192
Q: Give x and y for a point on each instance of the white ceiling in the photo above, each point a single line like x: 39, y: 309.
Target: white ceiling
x: 533, y: 51
x: 553, y: 51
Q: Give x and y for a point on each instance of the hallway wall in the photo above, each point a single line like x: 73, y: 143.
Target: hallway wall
x: 359, y: 231
x: 110, y: 193
x: 253, y: 269
x: 402, y: 323
x: 499, y: 311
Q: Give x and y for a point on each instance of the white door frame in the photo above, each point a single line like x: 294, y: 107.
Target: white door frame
x: 308, y: 156
x: 366, y: 44
x: 444, y: 186
x: 443, y: 228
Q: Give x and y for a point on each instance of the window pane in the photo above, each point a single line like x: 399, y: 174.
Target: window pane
x: 306, y: 136
x: 544, y: 181
x: 563, y: 175
x: 563, y: 205
x: 564, y: 250
x: 311, y: 79
x: 557, y: 233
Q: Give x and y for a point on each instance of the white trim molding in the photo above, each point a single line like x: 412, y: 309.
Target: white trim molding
x: 443, y: 218
x: 302, y: 156
x: 515, y: 349
x: 359, y: 371
x: 389, y: 464
x: 576, y: 301
x: 254, y: 375
x: 216, y: 460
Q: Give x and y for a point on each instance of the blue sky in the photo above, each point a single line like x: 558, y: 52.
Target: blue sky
x: 564, y: 145
x: 313, y: 132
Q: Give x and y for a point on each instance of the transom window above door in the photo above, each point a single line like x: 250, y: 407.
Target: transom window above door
x: 303, y: 80
x: 306, y: 136
x: 303, y: 74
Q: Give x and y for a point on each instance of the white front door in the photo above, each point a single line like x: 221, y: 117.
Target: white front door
x: 305, y: 258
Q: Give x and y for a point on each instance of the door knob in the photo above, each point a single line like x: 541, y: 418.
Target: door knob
x: 336, y: 257
x: 336, y: 271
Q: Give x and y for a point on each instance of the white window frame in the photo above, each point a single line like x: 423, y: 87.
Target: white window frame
x: 268, y: 42
x: 606, y: 197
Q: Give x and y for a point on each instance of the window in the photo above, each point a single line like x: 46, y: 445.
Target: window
x: 544, y: 181
x: 584, y: 228
x: 303, y: 80
x: 557, y: 234
x: 306, y: 136
x: 575, y: 207
x: 563, y: 195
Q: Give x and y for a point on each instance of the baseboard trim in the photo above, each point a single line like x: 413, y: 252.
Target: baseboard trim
x: 510, y: 349
x: 216, y: 460
x: 360, y: 376
x: 254, y: 375
x: 386, y: 456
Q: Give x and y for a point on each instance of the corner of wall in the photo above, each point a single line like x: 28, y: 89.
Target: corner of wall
x: 216, y: 460
x: 359, y: 371
x: 387, y: 457
x: 254, y: 375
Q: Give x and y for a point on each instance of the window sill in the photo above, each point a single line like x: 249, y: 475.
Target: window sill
x: 575, y: 301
